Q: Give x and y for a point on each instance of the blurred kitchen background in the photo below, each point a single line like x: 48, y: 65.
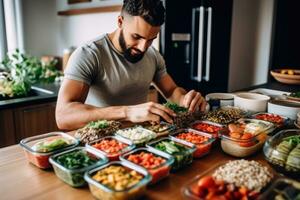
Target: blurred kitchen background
x: 246, y: 38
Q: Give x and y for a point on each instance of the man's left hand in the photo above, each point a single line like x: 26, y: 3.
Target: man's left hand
x: 193, y: 101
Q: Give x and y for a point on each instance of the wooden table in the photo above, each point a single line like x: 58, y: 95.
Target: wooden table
x: 22, y: 180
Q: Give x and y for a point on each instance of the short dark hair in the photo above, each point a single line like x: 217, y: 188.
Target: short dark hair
x: 152, y: 11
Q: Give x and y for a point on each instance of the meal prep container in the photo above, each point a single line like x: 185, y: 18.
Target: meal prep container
x: 102, y: 192
x: 190, y: 190
x: 284, y: 120
x: 113, y: 155
x: 182, y: 158
x: 202, y: 148
x: 243, y: 147
x: 138, y: 135
x: 74, y: 177
x: 161, y: 129
x: 212, y: 129
x: 282, y: 188
x: 159, y: 172
x: 41, y: 159
x: 283, y: 155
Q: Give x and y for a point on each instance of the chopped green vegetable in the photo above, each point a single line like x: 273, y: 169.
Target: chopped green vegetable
x: 75, y: 160
x: 181, y: 153
x: 98, y: 124
x: 294, y: 140
x: 295, y: 94
x: 175, y: 107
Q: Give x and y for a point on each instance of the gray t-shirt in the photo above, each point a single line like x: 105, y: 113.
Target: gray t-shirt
x: 112, y: 79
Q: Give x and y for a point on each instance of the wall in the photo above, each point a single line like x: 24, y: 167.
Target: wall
x: 46, y: 33
x: 250, y: 43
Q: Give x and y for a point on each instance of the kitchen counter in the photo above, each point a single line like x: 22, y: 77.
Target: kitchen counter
x: 21, y: 180
x: 274, y: 85
x: 40, y: 93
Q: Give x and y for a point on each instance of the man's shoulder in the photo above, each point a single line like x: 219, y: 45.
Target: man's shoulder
x: 96, y: 44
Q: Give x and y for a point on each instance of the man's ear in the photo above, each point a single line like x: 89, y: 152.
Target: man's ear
x: 120, y: 21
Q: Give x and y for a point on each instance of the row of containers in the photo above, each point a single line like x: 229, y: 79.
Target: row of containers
x: 120, y: 166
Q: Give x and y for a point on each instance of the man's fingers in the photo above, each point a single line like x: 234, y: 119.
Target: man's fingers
x: 165, y: 109
x: 203, y: 105
x: 188, y: 98
x: 195, y: 102
x: 162, y: 114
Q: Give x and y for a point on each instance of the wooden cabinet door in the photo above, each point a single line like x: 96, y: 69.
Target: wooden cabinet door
x: 7, y: 128
x: 34, y: 120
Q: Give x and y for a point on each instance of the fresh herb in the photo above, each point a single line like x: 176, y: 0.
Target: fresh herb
x: 175, y: 107
x: 75, y: 160
x: 98, y: 124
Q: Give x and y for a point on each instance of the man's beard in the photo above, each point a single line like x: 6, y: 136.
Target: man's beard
x: 127, y: 51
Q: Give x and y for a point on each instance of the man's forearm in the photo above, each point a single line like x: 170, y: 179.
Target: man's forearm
x: 76, y: 115
x: 177, y: 95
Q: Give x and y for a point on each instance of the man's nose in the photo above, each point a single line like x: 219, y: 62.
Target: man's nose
x: 142, y: 45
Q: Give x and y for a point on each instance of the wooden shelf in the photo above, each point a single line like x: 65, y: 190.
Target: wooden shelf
x: 81, y: 11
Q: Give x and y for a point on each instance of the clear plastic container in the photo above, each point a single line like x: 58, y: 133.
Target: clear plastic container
x: 282, y: 188
x: 113, y: 156
x: 283, y: 154
x: 138, y: 135
x: 159, y: 172
x: 103, y: 192
x: 183, y: 157
x: 41, y: 158
x: 278, y: 120
x: 192, y: 191
x: 245, y: 137
x: 74, y: 177
x: 161, y: 129
x: 202, y: 147
x: 207, y: 127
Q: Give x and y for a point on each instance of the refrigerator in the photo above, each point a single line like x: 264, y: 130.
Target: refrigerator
x: 195, y: 43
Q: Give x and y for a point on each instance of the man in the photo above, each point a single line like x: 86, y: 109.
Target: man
x: 109, y: 77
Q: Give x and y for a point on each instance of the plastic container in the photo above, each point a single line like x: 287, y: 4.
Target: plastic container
x: 158, y: 172
x: 207, y: 127
x: 203, y: 147
x: 138, y: 135
x: 245, y: 137
x: 74, y: 177
x: 41, y: 159
x: 161, y: 129
x: 192, y: 191
x: 282, y: 188
x: 278, y: 120
x: 103, y: 192
x: 284, y: 154
x: 112, y: 156
x: 183, y: 157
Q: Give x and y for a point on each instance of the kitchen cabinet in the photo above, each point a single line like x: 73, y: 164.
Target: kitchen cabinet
x: 26, y: 121
x: 7, y: 128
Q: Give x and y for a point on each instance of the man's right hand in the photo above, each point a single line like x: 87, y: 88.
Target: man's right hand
x: 149, y: 112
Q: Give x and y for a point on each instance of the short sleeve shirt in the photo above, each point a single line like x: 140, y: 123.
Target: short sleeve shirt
x: 112, y: 79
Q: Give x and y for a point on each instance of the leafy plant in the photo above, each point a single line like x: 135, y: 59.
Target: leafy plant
x: 175, y: 107
x: 19, y: 71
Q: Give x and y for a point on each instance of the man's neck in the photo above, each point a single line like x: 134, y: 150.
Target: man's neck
x: 114, y: 38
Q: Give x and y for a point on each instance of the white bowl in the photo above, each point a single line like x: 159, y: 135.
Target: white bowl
x: 251, y: 101
x: 224, y: 99
x: 285, y: 108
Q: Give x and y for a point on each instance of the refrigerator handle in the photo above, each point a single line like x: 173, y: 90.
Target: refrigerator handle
x: 208, y: 44
x: 200, y: 44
